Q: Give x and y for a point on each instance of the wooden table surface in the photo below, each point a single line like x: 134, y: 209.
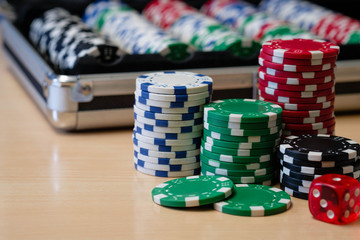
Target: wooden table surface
x: 56, y: 185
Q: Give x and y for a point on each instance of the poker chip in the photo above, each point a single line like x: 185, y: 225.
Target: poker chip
x: 238, y: 166
x: 168, y: 122
x: 237, y: 159
x: 166, y: 142
x: 172, y: 98
x: 159, y: 173
x: 305, y: 120
x: 320, y: 147
x: 308, y: 94
x: 236, y: 152
x: 169, y: 167
x: 295, y: 68
x: 163, y: 148
x: 329, y: 131
x: 174, y: 83
x: 192, y: 191
x: 294, y: 193
x: 242, y: 110
x: 166, y: 161
x: 309, y: 126
x: 194, y: 109
x: 242, y: 132
x: 168, y: 117
x: 295, y: 81
x: 297, y: 62
x: 168, y: 136
x: 152, y: 128
x: 254, y: 200
x: 303, y: 158
x: 164, y: 104
x: 267, y: 180
x: 301, y: 49
x: 303, y: 107
x: 310, y: 113
x: 322, y: 164
x: 305, y: 75
x: 296, y: 88
x: 299, y: 182
x: 241, y: 125
x: 237, y: 173
x: 294, y: 100
x: 242, y: 139
x: 240, y: 145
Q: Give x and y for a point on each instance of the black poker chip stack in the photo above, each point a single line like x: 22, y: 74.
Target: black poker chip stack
x: 306, y: 157
x: 64, y: 40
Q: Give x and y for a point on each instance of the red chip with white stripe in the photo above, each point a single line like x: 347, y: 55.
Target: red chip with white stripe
x: 295, y: 68
x: 309, y: 126
x: 295, y: 81
x: 283, y: 99
x: 310, y: 113
x: 302, y: 107
x: 301, y: 48
x: 301, y: 62
x: 306, y: 75
x: 275, y: 92
x: 297, y: 88
x: 299, y: 120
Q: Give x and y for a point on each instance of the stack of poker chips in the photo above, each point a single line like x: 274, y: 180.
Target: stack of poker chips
x: 132, y: 32
x: 64, y: 39
x: 239, y: 141
x: 306, y: 157
x: 168, y: 114
x: 251, y: 21
x: 321, y: 21
x: 195, y: 28
x: 299, y: 76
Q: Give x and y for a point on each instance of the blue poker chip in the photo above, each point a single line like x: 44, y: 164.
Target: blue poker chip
x: 167, y: 161
x: 174, y: 82
x: 162, y: 148
x: 169, y: 168
x: 165, y: 116
x: 173, y: 97
x: 159, y: 173
x: 172, y: 155
x: 164, y: 104
x: 169, y: 136
x: 185, y: 129
x: 168, y: 123
x: 166, y: 142
x: 193, y: 109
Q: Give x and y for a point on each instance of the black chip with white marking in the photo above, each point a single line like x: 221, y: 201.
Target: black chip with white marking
x: 320, y: 147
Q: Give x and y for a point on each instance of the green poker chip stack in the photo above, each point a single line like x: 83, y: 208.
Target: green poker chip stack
x: 239, y: 141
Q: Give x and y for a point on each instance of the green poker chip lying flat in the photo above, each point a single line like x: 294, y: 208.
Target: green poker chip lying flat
x: 192, y: 191
x: 242, y: 110
x: 255, y: 200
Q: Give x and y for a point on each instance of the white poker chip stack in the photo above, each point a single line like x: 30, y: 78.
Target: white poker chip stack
x: 168, y: 126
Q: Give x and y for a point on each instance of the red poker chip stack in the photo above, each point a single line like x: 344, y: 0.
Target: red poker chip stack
x: 299, y: 75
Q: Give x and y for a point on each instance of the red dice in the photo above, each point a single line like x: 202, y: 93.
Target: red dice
x: 335, y: 198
